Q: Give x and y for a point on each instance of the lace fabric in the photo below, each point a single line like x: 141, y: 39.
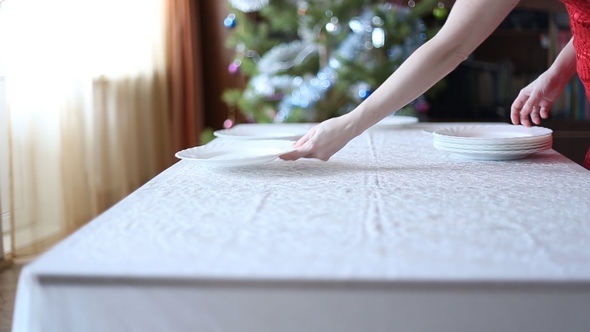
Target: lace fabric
x: 579, y: 13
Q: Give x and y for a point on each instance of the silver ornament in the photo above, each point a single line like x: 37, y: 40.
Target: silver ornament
x: 285, y: 56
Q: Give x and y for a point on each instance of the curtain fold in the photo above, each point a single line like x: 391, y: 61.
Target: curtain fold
x: 184, y: 73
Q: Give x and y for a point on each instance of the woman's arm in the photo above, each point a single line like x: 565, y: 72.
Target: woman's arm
x: 536, y: 99
x: 469, y: 23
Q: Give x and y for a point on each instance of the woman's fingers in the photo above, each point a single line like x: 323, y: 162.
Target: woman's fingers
x: 544, y: 112
x: 308, y: 150
x: 517, y: 107
x: 535, y: 115
x: 300, y: 152
x: 321, y: 141
x: 532, y: 109
x: 515, y: 115
x: 538, y: 113
x: 301, y: 149
x: 528, y: 112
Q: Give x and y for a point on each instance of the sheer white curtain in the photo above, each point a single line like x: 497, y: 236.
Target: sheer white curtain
x: 86, y: 111
x: 4, y: 214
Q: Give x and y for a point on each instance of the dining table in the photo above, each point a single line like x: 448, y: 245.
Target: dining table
x: 389, y: 234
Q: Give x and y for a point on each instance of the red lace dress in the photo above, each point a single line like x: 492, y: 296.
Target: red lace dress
x: 579, y: 13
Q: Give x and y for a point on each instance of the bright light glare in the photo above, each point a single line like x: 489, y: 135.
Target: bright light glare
x: 378, y: 37
x: 47, y: 45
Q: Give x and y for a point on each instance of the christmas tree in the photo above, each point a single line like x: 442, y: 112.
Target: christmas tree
x: 309, y: 60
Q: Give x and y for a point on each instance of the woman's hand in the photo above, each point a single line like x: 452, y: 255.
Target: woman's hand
x: 324, y: 140
x: 535, y: 100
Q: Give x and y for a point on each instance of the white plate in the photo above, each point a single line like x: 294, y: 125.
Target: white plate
x: 495, y: 147
x: 235, y: 153
x: 429, y: 127
x: 258, y: 131
x: 393, y: 121
x: 489, y: 155
x: 492, y: 133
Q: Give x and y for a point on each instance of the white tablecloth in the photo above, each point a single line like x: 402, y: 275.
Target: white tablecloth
x: 390, y: 234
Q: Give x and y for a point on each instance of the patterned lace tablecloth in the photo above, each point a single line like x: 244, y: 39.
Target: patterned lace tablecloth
x: 387, y: 208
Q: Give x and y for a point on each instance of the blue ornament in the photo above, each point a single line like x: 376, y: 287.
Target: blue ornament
x: 230, y: 21
x: 364, y: 93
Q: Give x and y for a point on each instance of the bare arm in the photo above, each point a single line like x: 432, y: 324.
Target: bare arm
x: 536, y: 99
x: 564, y: 66
x: 469, y: 23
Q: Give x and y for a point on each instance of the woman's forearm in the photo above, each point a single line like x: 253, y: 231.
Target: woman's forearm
x: 564, y: 66
x: 469, y: 23
x: 426, y: 66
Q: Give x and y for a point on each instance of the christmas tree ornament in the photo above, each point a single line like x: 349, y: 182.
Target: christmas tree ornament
x: 395, y: 53
x: 302, y: 7
x: 286, y: 56
x: 248, y: 6
x: 231, y: 117
x: 333, y: 27
x: 271, y: 87
x: 378, y: 37
x: 440, y: 12
x: 230, y: 21
x: 356, y: 25
x: 364, y: 93
x: 234, y: 67
x: 228, y: 123
x: 378, y: 34
x: 421, y: 105
x: 377, y: 21
x: 252, y: 55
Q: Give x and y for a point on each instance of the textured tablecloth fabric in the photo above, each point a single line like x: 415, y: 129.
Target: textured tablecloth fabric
x: 387, y: 210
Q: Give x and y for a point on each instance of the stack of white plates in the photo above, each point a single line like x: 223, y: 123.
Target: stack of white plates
x: 493, y: 142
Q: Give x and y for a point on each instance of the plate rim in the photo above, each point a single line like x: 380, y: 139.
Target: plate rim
x: 494, y: 152
x: 299, y: 131
x: 443, y: 133
x: 284, y: 146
